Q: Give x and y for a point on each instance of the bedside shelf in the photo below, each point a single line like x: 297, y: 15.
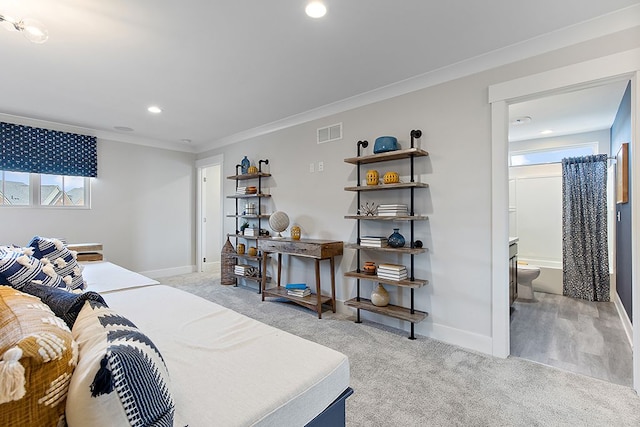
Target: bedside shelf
x: 248, y: 196
x: 249, y: 176
x: 389, y: 310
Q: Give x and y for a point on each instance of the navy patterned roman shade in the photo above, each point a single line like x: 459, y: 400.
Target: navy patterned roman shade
x: 36, y: 150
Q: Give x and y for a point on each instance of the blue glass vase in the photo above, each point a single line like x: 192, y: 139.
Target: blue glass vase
x: 396, y: 240
x: 245, y: 163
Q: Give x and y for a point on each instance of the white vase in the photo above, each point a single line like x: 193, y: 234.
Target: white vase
x: 380, y: 296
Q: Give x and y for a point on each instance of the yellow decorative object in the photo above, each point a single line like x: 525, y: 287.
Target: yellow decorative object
x: 373, y: 178
x: 253, y: 251
x: 240, y: 249
x: 252, y: 169
x: 295, y: 232
x: 391, y: 178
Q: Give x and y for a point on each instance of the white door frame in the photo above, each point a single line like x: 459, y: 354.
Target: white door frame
x: 619, y: 66
x: 200, y: 238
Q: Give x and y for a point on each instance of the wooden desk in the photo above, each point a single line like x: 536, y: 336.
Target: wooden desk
x: 309, y: 248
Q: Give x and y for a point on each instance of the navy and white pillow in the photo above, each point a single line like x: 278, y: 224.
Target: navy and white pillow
x: 65, y: 305
x: 63, y: 260
x: 18, y: 268
x: 121, y: 377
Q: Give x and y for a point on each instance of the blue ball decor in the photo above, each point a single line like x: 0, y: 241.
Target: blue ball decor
x: 396, y: 240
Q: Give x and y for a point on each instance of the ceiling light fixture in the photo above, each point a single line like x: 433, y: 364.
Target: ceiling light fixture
x: 31, y: 29
x: 154, y: 109
x: 546, y: 132
x: 316, y: 9
x: 522, y: 120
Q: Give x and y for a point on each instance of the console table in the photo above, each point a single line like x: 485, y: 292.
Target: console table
x: 310, y: 248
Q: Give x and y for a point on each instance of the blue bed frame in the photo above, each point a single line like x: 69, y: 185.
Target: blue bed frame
x: 334, y: 414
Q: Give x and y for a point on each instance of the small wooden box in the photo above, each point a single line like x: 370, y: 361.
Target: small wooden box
x: 87, y: 251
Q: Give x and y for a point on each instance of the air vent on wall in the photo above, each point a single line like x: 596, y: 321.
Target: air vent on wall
x: 329, y: 133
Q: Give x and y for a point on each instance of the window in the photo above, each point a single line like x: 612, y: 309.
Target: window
x: 24, y: 189
x: 551, y: 155
x: 15, y: 188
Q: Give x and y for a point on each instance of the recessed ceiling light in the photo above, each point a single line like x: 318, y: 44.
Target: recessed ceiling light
x: 154, y: 109
x: 123, y: 128
x: 185, y: 141
x: 316, y: 9
x: 546, y: 132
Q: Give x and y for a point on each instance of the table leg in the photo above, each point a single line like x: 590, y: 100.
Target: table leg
x: 318, y: 293
x: 263, y: 282
x: 333, y: 284
x: 279, y: 267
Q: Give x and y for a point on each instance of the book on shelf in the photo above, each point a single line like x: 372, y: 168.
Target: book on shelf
x: 250, y: 231
x: 392, y: 276
x: 299, y: 292
x: 392, y: 210
x: 392, y: 267
x: 296, y: 286
x: 373, y: 241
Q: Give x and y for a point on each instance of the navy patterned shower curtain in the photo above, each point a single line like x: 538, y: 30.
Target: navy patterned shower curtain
x: 585, y: 254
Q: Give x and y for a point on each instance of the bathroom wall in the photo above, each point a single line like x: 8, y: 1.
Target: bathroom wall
x: 535, y: 208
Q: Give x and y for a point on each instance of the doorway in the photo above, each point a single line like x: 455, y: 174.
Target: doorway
x: 547, y: 327
x: 620, y: 66
x: 210, y: 217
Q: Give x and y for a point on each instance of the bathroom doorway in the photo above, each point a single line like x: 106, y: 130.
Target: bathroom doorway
x: 623, y: 65
x: 590, y: 338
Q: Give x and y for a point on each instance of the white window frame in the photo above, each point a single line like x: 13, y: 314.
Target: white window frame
x: 35, y: 194
x: 593, y: 145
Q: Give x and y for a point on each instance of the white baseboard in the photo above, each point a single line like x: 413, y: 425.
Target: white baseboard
x: 626, y: 323
x: 449, y: 335
x: 166, y: 272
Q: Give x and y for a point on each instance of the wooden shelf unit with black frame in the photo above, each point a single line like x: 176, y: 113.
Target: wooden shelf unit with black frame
x: 409, y: 314
x: 257, y: 217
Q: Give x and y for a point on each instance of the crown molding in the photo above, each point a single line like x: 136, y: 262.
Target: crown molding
x: 620, y: 20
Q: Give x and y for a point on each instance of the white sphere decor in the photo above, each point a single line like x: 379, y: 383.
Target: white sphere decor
x: 278, y: 221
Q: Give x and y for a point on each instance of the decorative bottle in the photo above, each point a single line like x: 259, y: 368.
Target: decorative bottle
x: 245, y: 163
x: 396, y: 240
x: 380, y: 296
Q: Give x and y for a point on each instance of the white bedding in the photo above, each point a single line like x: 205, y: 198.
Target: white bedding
x: 227, y: 369
x: 104, y: 277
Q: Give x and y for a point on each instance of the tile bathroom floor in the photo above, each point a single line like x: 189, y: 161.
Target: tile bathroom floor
x: 572, y: 334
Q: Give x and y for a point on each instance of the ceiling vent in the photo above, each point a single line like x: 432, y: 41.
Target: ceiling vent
x: 329, y: 133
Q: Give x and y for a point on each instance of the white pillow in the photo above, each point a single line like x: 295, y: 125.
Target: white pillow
x: 121, y: 378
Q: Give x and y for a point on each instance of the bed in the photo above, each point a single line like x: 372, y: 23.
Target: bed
x: 225, y: 368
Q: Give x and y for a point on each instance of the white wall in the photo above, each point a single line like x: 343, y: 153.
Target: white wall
x: 213, y: 212
x: 456, y: 124
x: 142, y: 210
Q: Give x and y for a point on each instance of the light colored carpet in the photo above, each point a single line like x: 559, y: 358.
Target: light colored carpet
x: 399, y: 382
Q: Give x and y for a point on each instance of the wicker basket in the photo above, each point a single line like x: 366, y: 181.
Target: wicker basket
x: 228, y: 264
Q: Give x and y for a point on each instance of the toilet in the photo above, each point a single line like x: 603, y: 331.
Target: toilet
x: 526, y: 274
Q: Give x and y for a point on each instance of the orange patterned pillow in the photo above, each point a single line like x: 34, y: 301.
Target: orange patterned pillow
x: 37, y: 345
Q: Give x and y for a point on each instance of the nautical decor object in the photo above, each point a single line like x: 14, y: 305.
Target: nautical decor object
x: 278, y: 221
x: 252, y: 169
x: 373, y: 177
x: 295, y: 232
x: 228, y: 264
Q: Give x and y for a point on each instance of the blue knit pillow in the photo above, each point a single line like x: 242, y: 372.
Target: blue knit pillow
x: 121, y: 378
x: 18, y: 269
x: 63, y: 260
x: 65, y: 305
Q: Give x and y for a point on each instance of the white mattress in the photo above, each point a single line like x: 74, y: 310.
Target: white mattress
x: 227, y: 369
x: 104, y: 277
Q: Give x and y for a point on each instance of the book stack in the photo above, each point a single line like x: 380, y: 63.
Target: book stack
x: 373, y: 241
x: 393, y: 210
x: 298, y: 289
x: 392, y: 271
x: 251, y: 231
x: 242, y: 269
x: 241, y: 190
